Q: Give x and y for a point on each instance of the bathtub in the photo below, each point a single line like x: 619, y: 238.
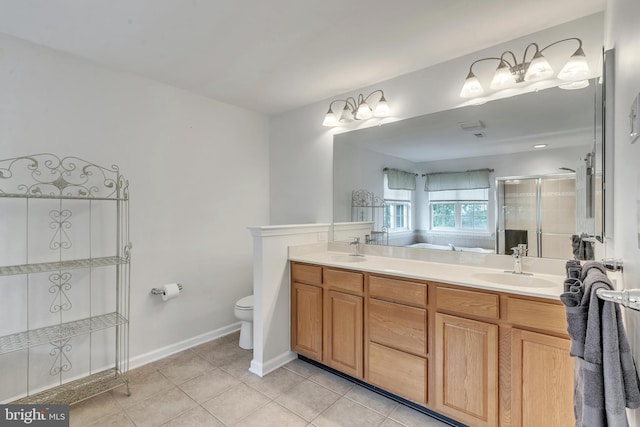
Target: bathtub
x: 448, y: 248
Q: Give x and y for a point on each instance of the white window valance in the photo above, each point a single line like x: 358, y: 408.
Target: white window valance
x: 400, y: 180
x: 469, y: 180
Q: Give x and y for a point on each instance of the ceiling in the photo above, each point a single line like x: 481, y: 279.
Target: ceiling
x: 273, y: 56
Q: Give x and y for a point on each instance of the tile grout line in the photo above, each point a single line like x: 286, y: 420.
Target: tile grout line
x: 230, y: 363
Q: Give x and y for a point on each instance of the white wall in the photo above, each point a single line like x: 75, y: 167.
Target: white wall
x: 623, y: 34
x: 198, y: 172
x: 357, y: 168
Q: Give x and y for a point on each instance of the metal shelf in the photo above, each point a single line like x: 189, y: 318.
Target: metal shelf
x: 58, y: 197
x: 43, y: 195
x: 61, y: 265
x: 78, y: 390
x: 35, y: 337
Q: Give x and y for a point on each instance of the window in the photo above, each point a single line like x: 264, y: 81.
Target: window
x: 460, y: 210
x: 397, y: 208
x: 396, y: 215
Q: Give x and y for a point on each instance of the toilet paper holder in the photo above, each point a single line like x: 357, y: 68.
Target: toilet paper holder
x: 160, y: 291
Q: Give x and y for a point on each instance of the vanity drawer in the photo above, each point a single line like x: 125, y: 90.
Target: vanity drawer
x: 305, y: 273
x: 400, y: 373
x: 398, y: 326
x: 401, y: 291
x: 468, y: 302
x: 344, y: 280
x: 537, y: 315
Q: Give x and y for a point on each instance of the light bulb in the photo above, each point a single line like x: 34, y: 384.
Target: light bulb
x: 346, y: 116
x: 471, y: 87
x: 539, y: 69
x: 503, y: 78
x: 330, y: 119
x: 576, y: 67
x: 382, y: 109
x: 364, y: 111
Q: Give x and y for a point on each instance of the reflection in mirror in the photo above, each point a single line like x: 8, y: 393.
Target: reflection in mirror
x: 497, y: 137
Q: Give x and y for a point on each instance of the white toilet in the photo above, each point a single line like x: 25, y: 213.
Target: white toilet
x: 244, y: 312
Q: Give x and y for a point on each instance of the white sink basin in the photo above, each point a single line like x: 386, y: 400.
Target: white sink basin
x: 347, y: 258
x: 516, y: 280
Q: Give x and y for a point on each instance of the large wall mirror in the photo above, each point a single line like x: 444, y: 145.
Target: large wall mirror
x: 546, y: 196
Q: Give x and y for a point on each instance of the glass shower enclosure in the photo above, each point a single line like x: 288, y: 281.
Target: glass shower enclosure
x: 538, y: 211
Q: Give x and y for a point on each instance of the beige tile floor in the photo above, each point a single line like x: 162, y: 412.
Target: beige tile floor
x: 210, y: 385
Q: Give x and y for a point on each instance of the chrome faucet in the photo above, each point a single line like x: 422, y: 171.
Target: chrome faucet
x: 518, y: 252
x: 356, y: 244
x: 453, y: 248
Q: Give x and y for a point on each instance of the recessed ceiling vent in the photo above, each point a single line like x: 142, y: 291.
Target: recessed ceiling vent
x: 472, y: 126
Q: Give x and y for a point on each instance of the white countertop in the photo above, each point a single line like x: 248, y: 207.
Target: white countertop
x: 538, y: 285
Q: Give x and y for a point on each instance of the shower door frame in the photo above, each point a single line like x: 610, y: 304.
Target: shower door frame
x: 538, y: 200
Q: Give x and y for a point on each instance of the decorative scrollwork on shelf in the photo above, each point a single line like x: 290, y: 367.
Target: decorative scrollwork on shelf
x: 123, y: 188
x: 48, y: 175
x: 60, y: 223
x: 127, y: 252
x: 364, y: 198
x: 61, y: 285
x: 61, y: 363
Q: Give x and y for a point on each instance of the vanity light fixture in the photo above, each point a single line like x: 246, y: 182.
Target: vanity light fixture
x: 537, y: 146
x: 357, y: 109
x: 511, y: 72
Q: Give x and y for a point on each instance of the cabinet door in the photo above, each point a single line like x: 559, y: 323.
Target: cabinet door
x: 541, y: 380
x: 306, y: 320
x: 466, y: 370
x: 344, y: 333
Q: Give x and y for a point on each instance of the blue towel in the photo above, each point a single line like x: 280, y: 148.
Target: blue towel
x: 605, y: 377
x: 590, y: 265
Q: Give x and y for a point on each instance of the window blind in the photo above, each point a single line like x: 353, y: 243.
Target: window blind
x: 400, y: 180
x: 469, y: 180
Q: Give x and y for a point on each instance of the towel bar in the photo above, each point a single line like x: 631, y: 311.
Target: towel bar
x: 627, y: 297
x: 612, y: 264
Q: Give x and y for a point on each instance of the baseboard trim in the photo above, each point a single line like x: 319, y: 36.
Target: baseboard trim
x: 262, y: 369
x: 161, y: 353
x: 152, y: 356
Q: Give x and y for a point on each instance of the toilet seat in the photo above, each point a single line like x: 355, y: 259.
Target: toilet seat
x: 245, y: 303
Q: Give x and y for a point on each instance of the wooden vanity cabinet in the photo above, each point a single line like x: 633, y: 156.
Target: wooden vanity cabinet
x: 344, y: 321
x: 397, y: 337
x: 306, y: 310
x: 483, y: 358
x: 466, y: 356
x: 541, y: 368
x: 327, y: 316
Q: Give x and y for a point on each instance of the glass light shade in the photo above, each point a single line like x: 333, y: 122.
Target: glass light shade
x: 346, y: 116
x: 382, y: 109
x: 471, y: 87
x: 330, y: 119
x: 576, y: 67
x: 364, y: 111
x: 539, y: 69
x: 575, y: 85
x: 503, y: 78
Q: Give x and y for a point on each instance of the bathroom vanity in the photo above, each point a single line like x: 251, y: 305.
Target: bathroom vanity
x: 451, y: 338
